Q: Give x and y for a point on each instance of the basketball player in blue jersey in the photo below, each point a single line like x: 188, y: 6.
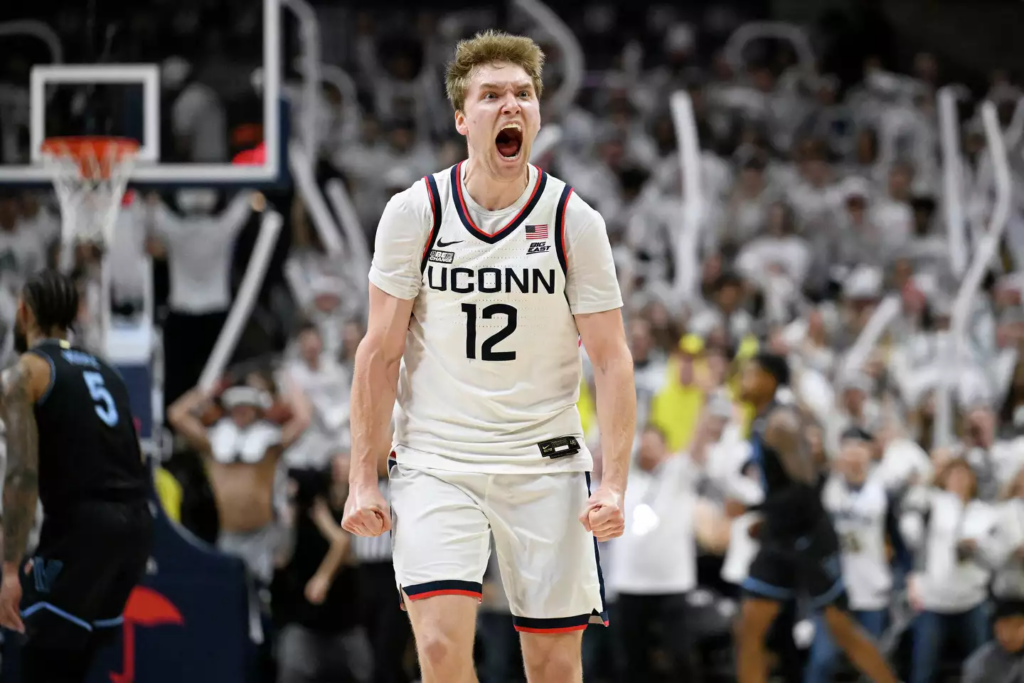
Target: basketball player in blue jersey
x: 72, y: 444
x: 485, y: 278
x: 799, y: 550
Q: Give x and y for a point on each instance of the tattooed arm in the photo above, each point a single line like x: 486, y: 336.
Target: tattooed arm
x: 784, y: 434
x: 22, y: 386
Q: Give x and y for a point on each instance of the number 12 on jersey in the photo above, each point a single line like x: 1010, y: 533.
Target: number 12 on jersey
x: 487, y: 351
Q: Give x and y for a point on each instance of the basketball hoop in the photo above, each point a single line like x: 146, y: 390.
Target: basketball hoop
x: 90, y: 175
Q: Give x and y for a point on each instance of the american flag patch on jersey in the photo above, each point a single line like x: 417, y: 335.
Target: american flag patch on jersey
x: 537, y: 232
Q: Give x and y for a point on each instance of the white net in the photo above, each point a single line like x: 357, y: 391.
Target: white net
x: 90, y: 176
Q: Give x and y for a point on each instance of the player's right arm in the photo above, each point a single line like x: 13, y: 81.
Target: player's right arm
x: 395, y: 280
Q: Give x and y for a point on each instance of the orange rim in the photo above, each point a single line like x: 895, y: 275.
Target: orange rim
x: 95, y: 155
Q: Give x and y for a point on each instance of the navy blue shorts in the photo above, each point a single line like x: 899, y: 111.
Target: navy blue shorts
x: 88, y: 561
x: 809, y: 565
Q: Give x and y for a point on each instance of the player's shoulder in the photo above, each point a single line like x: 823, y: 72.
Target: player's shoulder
x: 579, y: 215
x: 423, y: 197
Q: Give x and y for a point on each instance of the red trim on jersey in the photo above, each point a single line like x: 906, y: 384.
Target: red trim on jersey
x: 561, y: 229
x: 433, y: 222
x: 469, y: 219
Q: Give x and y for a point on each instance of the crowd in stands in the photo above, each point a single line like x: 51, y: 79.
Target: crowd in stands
x: 821, y: 204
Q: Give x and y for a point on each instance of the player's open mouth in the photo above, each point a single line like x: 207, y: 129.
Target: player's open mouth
x: 510, y: 141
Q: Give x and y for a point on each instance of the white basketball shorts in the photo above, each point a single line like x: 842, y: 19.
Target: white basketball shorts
x: 550, y: 568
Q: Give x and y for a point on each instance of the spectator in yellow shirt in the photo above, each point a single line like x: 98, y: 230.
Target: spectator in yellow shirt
x: 676, y: 408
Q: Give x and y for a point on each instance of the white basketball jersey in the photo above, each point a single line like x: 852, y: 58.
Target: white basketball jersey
x: 491, y: 373
x: 859, y: 516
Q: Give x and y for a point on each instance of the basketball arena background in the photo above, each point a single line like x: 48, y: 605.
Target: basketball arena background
x: 839, y: 180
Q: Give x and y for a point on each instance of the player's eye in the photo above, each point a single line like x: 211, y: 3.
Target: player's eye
x: 524, y: 93
x: 489, y: 95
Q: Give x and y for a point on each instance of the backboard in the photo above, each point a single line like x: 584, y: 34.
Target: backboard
x: 195, y: 82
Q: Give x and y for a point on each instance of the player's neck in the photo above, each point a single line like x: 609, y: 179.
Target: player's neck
x: 491, y: 193
x: 762, y: 405
x: 35, y: 337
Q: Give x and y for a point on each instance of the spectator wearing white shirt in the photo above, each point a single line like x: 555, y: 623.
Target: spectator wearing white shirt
x: 948, y: 526
x: 995, y: 461
x: 746, y: 214
x: 855, y: 408
x: 724, y: 311
x: 778, y: 262
x: 1005, y: 550
x: 653, y: 565
x: 863, y: 516
x: 198, y: 245
x: 813, y: 197
x: 891, y: 213
x: 327, y: 384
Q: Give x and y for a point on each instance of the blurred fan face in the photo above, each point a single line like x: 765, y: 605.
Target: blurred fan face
x: 960, y: 480
x: 866, y: 147
x: 853, y: 399
x: 652, y: 450
x: 197, y: 202
x: 729, y: 298
x: 751, y: 179
x: 755, y: 384
x: 640, y: 339
x: 899, y: 182
x: 500, y: 119
x: 310, y: 345
x: 854, y: 460
x: 717, y: 365
x: 686, y: 369
x: 815, y: 324
x: 855, y: 206
x: 325, y: 303
x: 1010, y: 633
x: 243, y: 415
x: 982, y: 425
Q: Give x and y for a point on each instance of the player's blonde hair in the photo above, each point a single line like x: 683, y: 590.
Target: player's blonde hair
x: 490, y: 47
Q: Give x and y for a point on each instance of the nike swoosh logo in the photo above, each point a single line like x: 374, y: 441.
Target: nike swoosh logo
x: 441, y: 244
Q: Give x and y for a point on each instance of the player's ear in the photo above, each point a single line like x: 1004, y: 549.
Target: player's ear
x: 460, y: 123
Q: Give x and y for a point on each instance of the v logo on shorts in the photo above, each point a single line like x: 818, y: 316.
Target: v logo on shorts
x: 45, y: 573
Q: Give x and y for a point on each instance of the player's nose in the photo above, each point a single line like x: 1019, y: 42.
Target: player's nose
x: 510, y: 105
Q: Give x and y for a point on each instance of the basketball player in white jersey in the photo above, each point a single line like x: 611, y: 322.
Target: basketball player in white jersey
x: 485, y: 279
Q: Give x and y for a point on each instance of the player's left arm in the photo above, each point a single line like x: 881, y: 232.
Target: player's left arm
x: 592, y: 290
x: 23, y: 385
x: 784, y: 434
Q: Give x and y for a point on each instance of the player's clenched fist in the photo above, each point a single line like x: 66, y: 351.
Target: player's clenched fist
x: 603, y: 515
x: 366, y: 511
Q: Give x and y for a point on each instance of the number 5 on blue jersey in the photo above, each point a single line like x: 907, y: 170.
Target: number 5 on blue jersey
x: 105, y: 407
